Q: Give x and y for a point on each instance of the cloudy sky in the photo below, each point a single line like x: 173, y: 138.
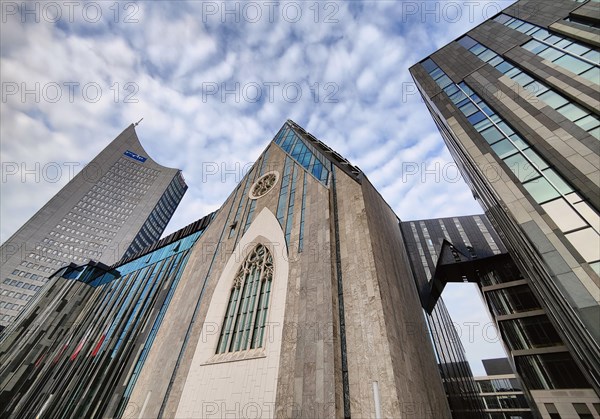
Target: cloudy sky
x: 214, y: 82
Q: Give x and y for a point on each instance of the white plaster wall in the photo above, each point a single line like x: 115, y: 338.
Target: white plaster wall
x: 242, y: 384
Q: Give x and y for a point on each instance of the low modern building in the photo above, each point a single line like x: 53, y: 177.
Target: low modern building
x: 516, y: 100
x: 118, y: 204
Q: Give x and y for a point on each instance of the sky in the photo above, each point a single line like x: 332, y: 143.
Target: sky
x: 214, y: 82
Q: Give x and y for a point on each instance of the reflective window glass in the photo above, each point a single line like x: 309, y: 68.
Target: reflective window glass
x: 522, y: 169
x: 504, y: 148
x: 551, y: 54
x: 541, y: 190
x: 573, y: 64
x: 552, y: 99
x: 492, y: 135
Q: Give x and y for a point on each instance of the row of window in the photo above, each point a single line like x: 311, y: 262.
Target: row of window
x: 106, y: 202
x: 424, y: 261
x: 290, y: 211
x: 28, y: 275
x: 283, y: 191
x: 305, y: 154
x: 86, y: 243
x: 19, y: 284
x: 89, y: 222
x: 576, y: 218
x: 123, y: 166
x: 103, y: 188
x: 78, y: 232
x: 486, y: 234
x: 128, y: 173
x: 46, y: 259
x: 512, y: 300
x: 582, y: 117
x: 502, y: 274
x: 301, y: 233
x: 66, y: 255
x: 23, y: 285
x: 573, y: 56
x: 32, y: 265
x: 8, y: 318
x: 498, y: 385
x: 98, y: 216
x: 103, y: 211
x: 529, y: 332
x: 513, y: 401
x: 10, y: 306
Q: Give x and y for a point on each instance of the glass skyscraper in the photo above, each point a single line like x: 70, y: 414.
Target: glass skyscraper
x: 516, y: 100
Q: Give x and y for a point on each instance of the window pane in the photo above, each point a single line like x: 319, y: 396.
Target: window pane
x: 588, y: 123
x: 587, y: 243
x: 477, y: 49
x: 553, y: 99
x: 451, y: 89
x: 557, y: 181
x: 476, y: 117
x: 487, y: 55
x: 436, y: 73
x: 534, y: 46
x: 593, y: 56
x: 553, y: 39
x: 536, y: 88
x: 457, y: 97
x: 593, y: 75
x: 573, y: 112
x: 505, y: 128
x: 504, y: 66
x: 429, y: 65
x: 513, y: 72
x: 523, y: 79
x: 577, y: 49
x: 536, y: 159
x: 522, y: 145
x: 526, y: 27
x: 480, y: 126
x: 551, y: 54
x: 522, y: 169
x: 492, y: 135
x: 495, y: 61
x: 541, y: 190
x: 468, y: 109
x: 467, y: 42
x: 541, y: 33
x: 573, y: 64
x: 504, y: 148
x: 443, y: 81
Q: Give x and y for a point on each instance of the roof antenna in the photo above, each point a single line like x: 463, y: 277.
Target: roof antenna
x: 138, y: 122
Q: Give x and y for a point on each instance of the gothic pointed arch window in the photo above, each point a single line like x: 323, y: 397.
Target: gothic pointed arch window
x: 244, y: 323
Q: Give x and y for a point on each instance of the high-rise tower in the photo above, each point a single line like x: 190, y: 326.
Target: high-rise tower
x: 118, y: 204
x: 516, y: 100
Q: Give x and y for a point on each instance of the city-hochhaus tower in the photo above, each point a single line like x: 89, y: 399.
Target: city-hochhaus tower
x: 118, y: 204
